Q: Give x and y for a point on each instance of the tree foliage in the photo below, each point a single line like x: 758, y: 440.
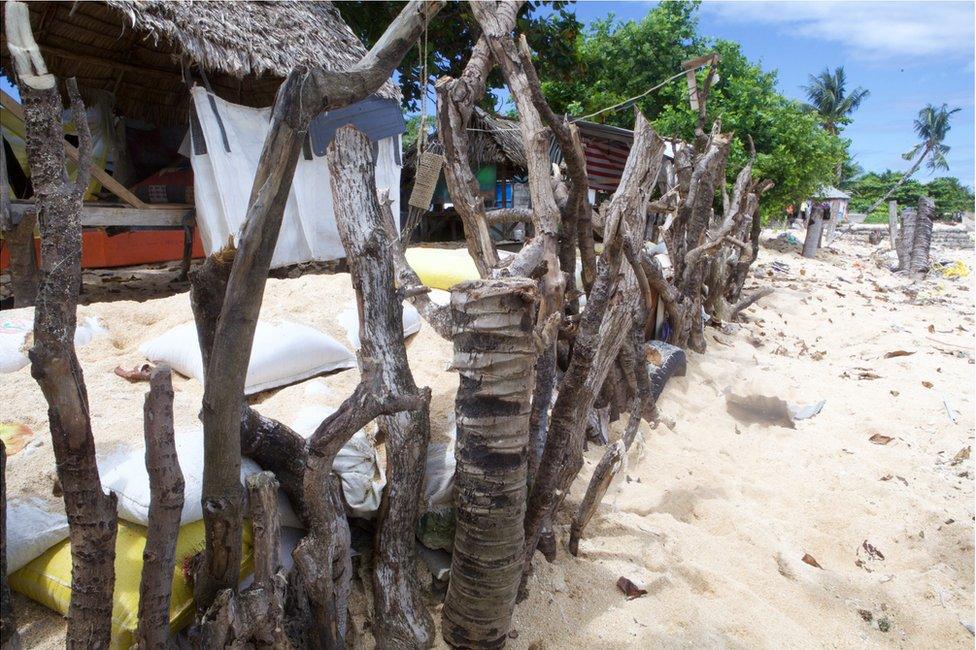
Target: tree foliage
x: 932, y: 127
x: 829, y: 99
x: 549, y: 26
x: 950, y: 196
x: 617, y: 60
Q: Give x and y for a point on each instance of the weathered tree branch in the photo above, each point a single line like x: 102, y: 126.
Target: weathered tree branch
x: 165, y: 508
x: 305, y: 93
x: 9, y: 636
x: 91, y: 513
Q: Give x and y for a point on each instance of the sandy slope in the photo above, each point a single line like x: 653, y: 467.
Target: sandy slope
x: 714, y: 515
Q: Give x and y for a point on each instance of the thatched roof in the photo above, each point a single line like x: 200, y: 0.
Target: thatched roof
x: 135, y: 48
x: 491, y: 140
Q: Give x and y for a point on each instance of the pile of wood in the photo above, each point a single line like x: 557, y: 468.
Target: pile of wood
x: 538, y: 364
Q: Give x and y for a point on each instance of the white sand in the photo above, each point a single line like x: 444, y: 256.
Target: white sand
x: 714, y: 515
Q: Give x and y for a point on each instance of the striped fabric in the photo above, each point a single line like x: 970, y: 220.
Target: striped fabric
x: 605, y: 160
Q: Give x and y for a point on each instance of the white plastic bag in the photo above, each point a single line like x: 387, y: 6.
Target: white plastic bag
x: 32, y: 528
x: 349, y: 319
x: 17, y: 328
x: 283, y: 353
x: 126, y: 475
x: 357, y: 464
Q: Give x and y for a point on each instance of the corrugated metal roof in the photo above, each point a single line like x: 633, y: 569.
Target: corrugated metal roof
x: 831, y: 192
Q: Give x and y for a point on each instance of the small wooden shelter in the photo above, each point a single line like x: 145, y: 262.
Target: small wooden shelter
x: 140, y: 58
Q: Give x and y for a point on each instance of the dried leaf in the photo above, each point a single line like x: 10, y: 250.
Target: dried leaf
x: 15, y: 436
x: 812, y: 561
x: 898, y: 353
x: 927, y: 384
x: 880, y: 439
x: 630, y: 588
x: 872, y: 551
x: 961, y: 455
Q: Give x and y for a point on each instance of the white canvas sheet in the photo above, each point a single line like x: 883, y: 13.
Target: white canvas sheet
x: 222, y: 185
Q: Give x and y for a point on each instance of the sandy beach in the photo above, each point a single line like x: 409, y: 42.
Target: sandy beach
x: 713, y: 514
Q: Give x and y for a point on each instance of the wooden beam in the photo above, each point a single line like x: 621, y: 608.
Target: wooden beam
x: 103, y: 216
x: 104, y: 177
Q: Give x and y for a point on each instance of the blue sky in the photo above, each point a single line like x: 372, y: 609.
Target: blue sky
x: 906, y: 53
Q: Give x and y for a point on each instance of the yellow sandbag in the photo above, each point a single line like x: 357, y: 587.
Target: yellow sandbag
x: 442, y: 268
x: 47, y: 579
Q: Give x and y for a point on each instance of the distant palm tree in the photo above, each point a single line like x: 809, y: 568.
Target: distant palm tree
x: 932, y: 126
x: 828, y: 97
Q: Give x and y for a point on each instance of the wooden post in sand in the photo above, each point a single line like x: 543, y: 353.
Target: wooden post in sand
x: 893, y: 224
x: 814, y: 229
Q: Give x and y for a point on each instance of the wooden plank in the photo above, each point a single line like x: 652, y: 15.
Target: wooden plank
x: 101, y: 216
x: 104, y: 177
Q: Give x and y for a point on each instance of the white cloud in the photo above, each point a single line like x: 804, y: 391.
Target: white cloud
x: 894, y: 32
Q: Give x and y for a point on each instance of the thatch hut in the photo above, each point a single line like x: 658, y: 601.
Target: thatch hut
x: 150, y: 65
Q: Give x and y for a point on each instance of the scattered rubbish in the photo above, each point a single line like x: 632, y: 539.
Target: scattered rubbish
x: 15, y: 436
x: 808, y: 411
x: 951, y: 271
x: 139, y: 373
x: 780, y: 267
x: 898, y: 353
x: 866, y: 615
x: 888, y: 477
x: 948, y: 409
x: 868, y: 374
x: 927, y: 384
x: 812, y: 561
x: 670, y: 360
x: 631, y: 589
x: 961, y: 455
x: 880, y: 439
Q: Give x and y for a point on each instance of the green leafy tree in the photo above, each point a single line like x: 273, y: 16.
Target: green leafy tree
x: 950, y: 196
x: 932, y: 127
x: 550, y: 27
x: 619, y: 60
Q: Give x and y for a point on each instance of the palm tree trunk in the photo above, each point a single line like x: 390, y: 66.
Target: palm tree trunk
x: 905, y: 177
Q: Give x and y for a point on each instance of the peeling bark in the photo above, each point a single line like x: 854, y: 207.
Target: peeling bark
x: 165, y: 508
x: 54, y: 364
x: 494, y: 353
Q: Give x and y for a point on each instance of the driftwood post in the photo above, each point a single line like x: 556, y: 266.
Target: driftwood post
x: 401, y: 617
x: 165, y: 508
x: 306, y: 92
x: 814, y: 229
x: 9, y: 637
x: 91, y: 512
x: 922, y: 237
x: 909, y: 217
x: 893, y: 224
x: 494, y: 352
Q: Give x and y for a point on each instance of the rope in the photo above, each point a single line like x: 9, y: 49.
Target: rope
x: 608, y: 108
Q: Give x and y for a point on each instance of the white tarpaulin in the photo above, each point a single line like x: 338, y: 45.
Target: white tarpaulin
x: 222, y: 183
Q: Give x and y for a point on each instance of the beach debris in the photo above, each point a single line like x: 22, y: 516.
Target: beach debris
x: 884, y: 625
x: 927, y: 384
x: 15, y: 436
x: 812, y: 561
x: 866, y: 615
x: 880, y: 439
x: 630, y: 588
x: 808, y: 411
x: 898, y: 353
x: 139, y: 373
x: 949, y: 410
x: 970, y: 627
x: 888, y: 477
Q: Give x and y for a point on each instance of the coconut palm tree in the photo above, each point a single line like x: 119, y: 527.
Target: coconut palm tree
x: 932, y: 126
x: 829, y: 99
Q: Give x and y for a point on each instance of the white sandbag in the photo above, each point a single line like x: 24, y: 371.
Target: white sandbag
x: 349, y: 319
x: 439, y: 471
x: 16, y: 331
x: 283, y: 353
x: 126, y: 475
x: 357, y: 464
x: 32, y: 528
